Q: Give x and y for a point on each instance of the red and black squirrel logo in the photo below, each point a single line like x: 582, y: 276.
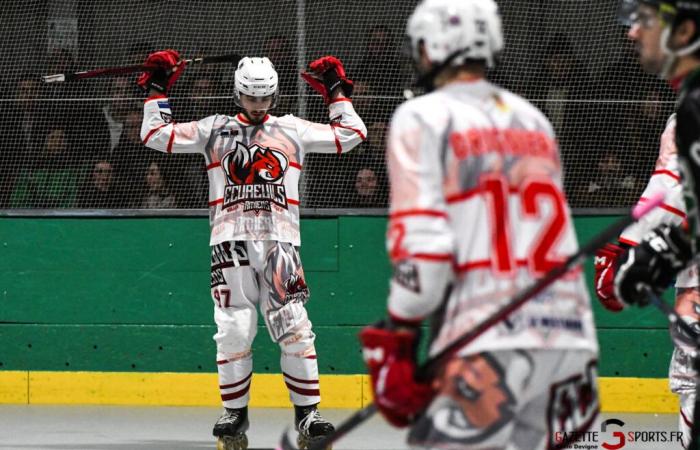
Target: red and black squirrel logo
x: 255, y: 176
x: 254, y: 164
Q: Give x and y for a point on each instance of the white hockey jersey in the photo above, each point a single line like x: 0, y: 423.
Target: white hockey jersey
x: 253, y: 170
x: 477, y: 204
x: 665, y: 178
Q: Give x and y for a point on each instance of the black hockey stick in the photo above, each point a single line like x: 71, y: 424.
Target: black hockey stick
x: 676, y: 320
x: 427, y: 368
x: 125, y: 70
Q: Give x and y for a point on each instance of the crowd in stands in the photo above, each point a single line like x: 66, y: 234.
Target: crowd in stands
x: 61, y: 151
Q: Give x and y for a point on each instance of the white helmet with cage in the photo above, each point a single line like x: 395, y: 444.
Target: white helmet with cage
x: 256, y: 77
x: 455, y: 31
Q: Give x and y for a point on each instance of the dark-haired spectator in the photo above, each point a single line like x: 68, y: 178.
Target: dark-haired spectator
x: 124, y: 97
x: 278, y: 49
x: 158, y: 194
x: 610, y: 185
x: 21, y: 136
x: 369, y: 191
x: 97, y: 191
x: 130, y: 158
x: 564, y: 84
x: 382, y: 66
x: 51, y: 180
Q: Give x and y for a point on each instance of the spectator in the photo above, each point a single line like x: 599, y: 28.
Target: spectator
x: 98, y: 189
x: 279, y: 50
x: 362, y: 99
x: 19, y: 125
x: 158, y: 194
x: 381, y: 66
x: 121, y: 101
x: 565, y: 82
x: 367, y: 192
x: 610, y: 185
x: 51, y: 182
x: 129, y: 158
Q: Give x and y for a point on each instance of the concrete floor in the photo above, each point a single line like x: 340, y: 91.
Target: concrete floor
x: 176, y: 428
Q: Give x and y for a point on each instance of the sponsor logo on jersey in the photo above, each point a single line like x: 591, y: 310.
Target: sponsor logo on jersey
x: 167, y: 117
x: 255, y: 177
x: 228, y: 133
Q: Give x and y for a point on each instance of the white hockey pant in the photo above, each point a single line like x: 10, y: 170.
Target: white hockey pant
x: 268, y: 274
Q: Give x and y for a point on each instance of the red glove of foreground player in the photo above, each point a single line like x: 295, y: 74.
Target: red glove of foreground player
x: 326, y: 75
x: 605, y: 275
x: 168, y: 66
x: 391, y: 360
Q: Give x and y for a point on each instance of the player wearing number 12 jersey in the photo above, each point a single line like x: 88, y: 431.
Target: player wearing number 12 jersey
x: 477, y: 205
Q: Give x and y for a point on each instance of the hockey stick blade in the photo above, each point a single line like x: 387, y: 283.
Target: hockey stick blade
x: 427, y: 368
x: 125, y: 70
x: 361, y: 415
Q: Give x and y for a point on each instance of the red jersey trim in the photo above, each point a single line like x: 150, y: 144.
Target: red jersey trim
x: 466, y: 195
x: 454, y: 198
x: 667, y: 173
x: 214, y: 165
x: 156, y: 97
x: 171, y: 140
x: 418, y: 212
x: 432, y: 256
x: 295, y: 165
x: 627, y: 241
x: 293, y: 202
x: 403, y: 320
x: 668, y: 208
x: 216, y: 202
x: 341, y: 99
x: 241, y: 118
x: 359, y: 133
x: 150, y: 133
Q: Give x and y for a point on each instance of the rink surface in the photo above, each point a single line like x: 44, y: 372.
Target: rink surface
x: 179, y: 428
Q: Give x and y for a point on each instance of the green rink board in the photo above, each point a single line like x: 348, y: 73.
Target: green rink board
x: 131, y: 294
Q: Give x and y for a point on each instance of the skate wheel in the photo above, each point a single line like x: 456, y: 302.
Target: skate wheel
x: 304, y: 443
x: 238, y: 442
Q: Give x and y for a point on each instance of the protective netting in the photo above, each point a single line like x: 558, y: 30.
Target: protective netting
x: 76, y: 145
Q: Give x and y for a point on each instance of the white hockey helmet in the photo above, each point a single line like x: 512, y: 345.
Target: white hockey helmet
x: 454, y: 31
x: 256, y: 77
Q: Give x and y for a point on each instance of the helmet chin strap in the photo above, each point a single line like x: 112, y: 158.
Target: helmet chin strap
x: 672, y: 56
x: 427, y: 80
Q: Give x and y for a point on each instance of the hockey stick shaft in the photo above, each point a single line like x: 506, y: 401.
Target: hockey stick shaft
x: 589, y: 249
x: 125, y: 70
x: 429, y: 367
x: 676, y: 320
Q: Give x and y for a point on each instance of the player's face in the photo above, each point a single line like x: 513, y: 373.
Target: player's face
x: 256, y: 107
x: 646, y: 34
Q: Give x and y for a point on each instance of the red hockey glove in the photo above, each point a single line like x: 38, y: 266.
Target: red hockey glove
x: 605, y: 275
x: 168, y: 66
x: 326, y: 75
x: 390, y: 358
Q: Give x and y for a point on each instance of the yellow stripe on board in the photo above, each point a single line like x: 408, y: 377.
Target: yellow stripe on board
x: 644, y: 395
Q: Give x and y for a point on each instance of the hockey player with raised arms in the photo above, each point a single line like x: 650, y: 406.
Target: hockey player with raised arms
x: 254, y: 161
x: 477, y: 214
